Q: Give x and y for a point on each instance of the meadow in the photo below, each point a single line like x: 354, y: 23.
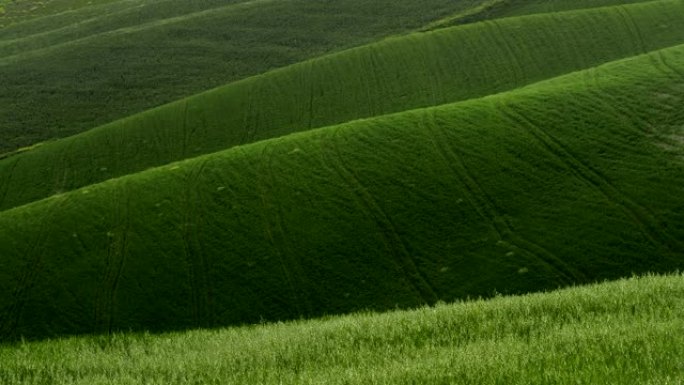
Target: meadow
x: 362, y: 215
x: 359, y: 83
x: 348, y: 191
x: 113, y: 59
x: 625, y: 332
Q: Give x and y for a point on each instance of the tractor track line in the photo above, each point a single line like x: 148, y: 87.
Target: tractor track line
x: 640, y: 215
x: 487, y: 208
x: 393, y: 241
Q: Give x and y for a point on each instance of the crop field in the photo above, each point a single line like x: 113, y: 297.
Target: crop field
x: 494, y: 9
x: 359, y: 83
x: 121, y: 57
x: 627, y: 332
x: 349, y: 187
x: 262, y: 231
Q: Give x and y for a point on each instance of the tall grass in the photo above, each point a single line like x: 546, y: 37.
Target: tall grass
x: 625, y: 332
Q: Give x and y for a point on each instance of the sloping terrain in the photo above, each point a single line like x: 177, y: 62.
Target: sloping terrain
x: 111, y: 60
x: 495, y: 9
x: 626, y: 332
x: 572, y: 180
x: 414, y: 71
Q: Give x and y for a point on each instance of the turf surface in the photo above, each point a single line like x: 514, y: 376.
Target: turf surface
x: 395, y: 75
x: 571, y: 180
x: 112, y: 59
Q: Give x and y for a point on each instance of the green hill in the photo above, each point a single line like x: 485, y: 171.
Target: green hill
x: 110, y: 60
x: 495, y: 9
x: 414, y: 71
x: 623, y: 333
x: 568, y: 181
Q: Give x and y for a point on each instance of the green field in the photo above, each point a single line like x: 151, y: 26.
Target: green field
x: 264, y: 231
x: 359, y: 83
x: 121, y: 57
x: 495, y: 9
x: 347, y: 186
x: 627, y: 332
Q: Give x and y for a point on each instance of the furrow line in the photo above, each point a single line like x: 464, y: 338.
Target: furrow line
x: 4, y: 187
x: 206, y: 312
x: 287, y: 248
x: 640, y: 215
x: 268, y: 228
x: 394, y: 242
x: 502, y: 37
x: 33, y: 256
x: 676, y: 71
x: 485, y: 206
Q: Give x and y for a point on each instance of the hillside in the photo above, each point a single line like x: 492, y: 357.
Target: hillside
x: 414, y: 71
x: 571, y: 180
x: 496, y: 9
x: 623, y: 333
x: 113, y: 59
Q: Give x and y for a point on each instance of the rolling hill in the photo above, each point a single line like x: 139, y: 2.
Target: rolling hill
x: 570, y: 180
x: 495, y: 9
x: 409, y: 72
x: 116, y: 58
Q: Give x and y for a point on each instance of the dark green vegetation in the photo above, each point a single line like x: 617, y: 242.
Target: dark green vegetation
x: 67, y: 72
x: 395, y: 75
x: 627, y: 332
x: 566, y: 181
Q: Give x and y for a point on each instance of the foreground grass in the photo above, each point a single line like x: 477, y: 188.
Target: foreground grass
x: 624, y: 332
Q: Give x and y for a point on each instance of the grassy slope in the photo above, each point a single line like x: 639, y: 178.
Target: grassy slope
x: 398, y: 74
x: 571, y: 180
x: 494, y: 9
x: 132, y: 55
x: 626, y: 332
x: 17, y: 11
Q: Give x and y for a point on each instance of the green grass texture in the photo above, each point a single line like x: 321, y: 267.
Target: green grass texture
x: 624, y: 333
x: 495, y: 9
x: 572, y: 180
x: 107, y: 61
x: 410, y: 72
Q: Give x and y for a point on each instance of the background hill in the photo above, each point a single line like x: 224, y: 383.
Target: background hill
x: 410, y: 72
x: 116, y: 58
x: 567, y: 181
x: 495, y: 9
x: 110, y: 59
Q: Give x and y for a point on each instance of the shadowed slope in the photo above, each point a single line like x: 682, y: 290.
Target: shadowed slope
x: 571, y: 180
x: 399, y: 74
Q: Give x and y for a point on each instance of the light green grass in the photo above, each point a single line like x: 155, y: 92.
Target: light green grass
x: 570, y: 180
x: 398, y: 74
x: 108, y: 61
x: 626, y: 332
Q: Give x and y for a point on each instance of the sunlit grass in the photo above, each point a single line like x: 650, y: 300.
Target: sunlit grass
x: 624, y: 332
